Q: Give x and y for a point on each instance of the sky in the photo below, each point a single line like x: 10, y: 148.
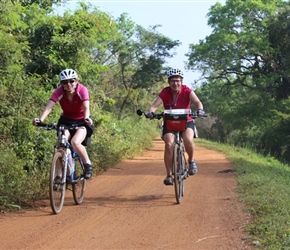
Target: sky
x: 181, y: 20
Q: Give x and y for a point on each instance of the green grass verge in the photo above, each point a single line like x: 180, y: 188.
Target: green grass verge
x: 264, y: 188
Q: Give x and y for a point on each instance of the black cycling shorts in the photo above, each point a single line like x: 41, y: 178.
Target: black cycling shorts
x: 66, y: 121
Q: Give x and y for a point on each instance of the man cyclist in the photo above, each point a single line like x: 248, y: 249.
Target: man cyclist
x: 74, y: 101
x: 177, y: 96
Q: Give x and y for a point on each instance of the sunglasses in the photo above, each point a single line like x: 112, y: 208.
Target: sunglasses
x: 173, y: 81
x: 65, y: 82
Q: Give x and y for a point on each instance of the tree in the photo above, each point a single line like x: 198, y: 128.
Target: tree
x: 44, y: 4
x: 279, y: 34
x: 139, y: 60
x: 71, y: 40
x: 239, y: 51
x: 245, y: 62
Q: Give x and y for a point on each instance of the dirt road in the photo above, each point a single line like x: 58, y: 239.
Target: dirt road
x: 128, y: 207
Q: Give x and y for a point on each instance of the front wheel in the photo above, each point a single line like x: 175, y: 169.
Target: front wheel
x: 79, y: 186
x: 56, y: 184
x: 177, y: 168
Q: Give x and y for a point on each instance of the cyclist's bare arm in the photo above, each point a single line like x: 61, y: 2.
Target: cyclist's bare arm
x: 158, y: 101
x: 45, y: 113
x: 47, y: 110
x: 86, y: 108
x: 195, y: 100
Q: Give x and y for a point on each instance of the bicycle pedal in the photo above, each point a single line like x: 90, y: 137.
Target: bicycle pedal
x: 58, y: 187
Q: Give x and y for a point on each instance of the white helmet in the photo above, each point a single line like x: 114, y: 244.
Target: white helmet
x: 68, y: 74
x: 174, y: 72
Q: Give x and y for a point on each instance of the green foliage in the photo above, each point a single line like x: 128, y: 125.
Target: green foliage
x: 19, y: 187
x: 112, y: 58
x: 241, y: 49
x: 138, y: 62
x: 68, y: 41
x: 42, y: 3
x: 246, y: 64
x: 130, y: 137
x: 13, y: 43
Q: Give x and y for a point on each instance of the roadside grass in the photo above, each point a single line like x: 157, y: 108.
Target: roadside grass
x: 264, y: 187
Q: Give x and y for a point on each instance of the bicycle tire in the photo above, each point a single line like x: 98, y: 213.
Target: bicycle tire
x: 57, y: 190
x: 79, y: 187
x: 182, y: 169
x: 177, y: 173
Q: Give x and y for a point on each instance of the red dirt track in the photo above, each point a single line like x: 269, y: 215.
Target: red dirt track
x: 128, y: 207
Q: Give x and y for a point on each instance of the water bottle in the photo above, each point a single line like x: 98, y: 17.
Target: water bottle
x: 72, y: 169
x: 71, y: 163
x: 63, y: 140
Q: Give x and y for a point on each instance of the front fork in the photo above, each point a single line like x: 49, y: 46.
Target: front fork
x: 62, y: 170
x: 182, y: 162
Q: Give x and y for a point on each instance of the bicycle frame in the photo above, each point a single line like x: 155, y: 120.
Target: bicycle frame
x: 178, y: 141
x: 66, y: 149
x: 59, y: 178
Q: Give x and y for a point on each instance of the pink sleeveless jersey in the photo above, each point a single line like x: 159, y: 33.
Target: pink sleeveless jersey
x: 71, y: 109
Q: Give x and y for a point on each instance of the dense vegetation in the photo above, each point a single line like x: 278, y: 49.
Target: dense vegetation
x: 116, y: 59
x: 245, y: 64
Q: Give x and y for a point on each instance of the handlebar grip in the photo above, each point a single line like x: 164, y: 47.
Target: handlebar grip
x: 194, y: 115
x: 41, y: 124
x: 47, y: 126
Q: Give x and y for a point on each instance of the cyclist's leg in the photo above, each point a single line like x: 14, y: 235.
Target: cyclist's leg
x: 76, y: 142
x: 189, y: 145
x: 187, y: 137
x: 169, y: 141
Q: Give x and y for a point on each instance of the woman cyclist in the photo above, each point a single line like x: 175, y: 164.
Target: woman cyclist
x: 74, y: 101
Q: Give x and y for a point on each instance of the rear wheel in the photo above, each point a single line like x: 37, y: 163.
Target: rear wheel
x: 177, y: 173
x: 79, y: 186
x: 56, y: 184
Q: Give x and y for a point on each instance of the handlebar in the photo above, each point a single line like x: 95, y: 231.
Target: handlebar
x: 161, y: 115
x: 155, y: 116
x: 51, y: 126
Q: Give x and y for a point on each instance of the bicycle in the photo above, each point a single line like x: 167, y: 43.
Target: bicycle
x: 175, y: 121
x: 66, y: 168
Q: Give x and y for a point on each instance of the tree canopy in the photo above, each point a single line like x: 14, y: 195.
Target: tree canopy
x: 245, y: 64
